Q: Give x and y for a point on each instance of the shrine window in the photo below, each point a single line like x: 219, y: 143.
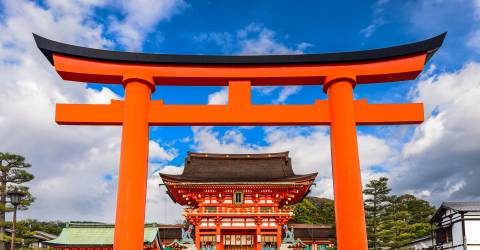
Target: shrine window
x: 266, y: 209
x: 210, y: 209
x: 237, y: 197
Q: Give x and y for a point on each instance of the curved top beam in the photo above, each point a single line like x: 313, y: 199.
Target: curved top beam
x: 49, y: 48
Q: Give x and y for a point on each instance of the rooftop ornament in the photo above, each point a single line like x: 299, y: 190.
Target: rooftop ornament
x: 140, y: 73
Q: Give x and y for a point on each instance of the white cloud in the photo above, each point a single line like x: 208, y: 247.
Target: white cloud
x: 140, y: 17
x: 474, y: 41
x: 76, y: 167
x: 309, y: 149
x: 219, y: 97
x: 158, y: 153
x: 378, y: 18
x: 69, y: 162
x: 286, y: 92
x: 442, y: 157
x: 254, y: 39
x: 159, y: 203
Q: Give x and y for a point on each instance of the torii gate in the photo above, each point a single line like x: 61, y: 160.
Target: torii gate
x: 140, y: 73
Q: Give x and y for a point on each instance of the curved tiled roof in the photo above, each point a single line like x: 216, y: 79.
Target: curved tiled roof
x: 206, y: 167
x: 94, y: 234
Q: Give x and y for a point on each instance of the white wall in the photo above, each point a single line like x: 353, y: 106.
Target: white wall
x: 419, y: 245
x: 457, y: 235
x: 472, y: 233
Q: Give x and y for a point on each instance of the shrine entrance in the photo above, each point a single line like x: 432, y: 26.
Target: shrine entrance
x: 238, y: 241
x: 339, y: 73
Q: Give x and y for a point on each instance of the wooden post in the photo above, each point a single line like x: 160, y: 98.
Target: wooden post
x: 14, y: 222
x: 197, y: 235
x: 132, y: 183
x: 349, y: 213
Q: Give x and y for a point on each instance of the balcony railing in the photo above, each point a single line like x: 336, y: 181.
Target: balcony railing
x: 228, y: 210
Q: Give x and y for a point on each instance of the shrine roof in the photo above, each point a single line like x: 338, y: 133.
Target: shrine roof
x: 95, y: 234
x: 50, y: 47
x: 207, y: 167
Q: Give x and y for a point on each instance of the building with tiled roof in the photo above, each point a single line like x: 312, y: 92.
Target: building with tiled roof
x: 86, y: 236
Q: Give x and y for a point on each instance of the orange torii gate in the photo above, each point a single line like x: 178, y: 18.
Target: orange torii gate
x: 140, y: 73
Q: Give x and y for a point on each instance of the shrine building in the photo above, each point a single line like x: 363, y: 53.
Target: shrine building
x: 238, y: 201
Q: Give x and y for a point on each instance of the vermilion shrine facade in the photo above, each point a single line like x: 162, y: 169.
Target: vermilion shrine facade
x: 238, y: 201
x: 339, y: 73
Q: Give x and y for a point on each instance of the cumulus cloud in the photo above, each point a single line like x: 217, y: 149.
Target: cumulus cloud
x: 140, y: 18
x: 219, y: 97
x: 76, y: 167
x: 438, y: 163
x: 309, y: 148
x: 378, y: 18
x: 254, y: 39
x: 443, y: 153
x: 159, y: 203
x: 159, y: 153
x: 473, y: 41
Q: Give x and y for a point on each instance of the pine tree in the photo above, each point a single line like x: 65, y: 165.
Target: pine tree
x: 375, y: 203
x: 406, y: 218
x: 12, y: 175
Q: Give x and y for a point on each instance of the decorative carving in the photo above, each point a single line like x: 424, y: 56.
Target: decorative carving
x: 218, y: 221
x: 258, y: 221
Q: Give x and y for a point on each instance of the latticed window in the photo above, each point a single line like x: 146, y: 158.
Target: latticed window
x: 208, y: 242
x: 210, y: 209
x: 238, y: 197
x: 444, y: 235
x: 269, y: 242
x: 266, y: 209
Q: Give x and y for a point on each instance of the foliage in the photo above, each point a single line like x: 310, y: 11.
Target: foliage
x: 375, y: 204
x: 51, y: 227
x: 313, y: 210
x: 25, y: 229
x: 392, y: 220
x: 12, y: 175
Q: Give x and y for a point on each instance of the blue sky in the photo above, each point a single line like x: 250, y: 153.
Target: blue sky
x: 332, y: 27
x: 79, y: 165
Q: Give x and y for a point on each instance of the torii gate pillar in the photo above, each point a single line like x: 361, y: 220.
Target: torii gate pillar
x: 350, y: 216
x: 132, y: 180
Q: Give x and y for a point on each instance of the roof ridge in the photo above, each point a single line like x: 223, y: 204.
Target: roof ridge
x: 100, y: 225
x: 238, y: 156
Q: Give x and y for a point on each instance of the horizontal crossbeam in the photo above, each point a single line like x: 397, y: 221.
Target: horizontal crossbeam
x: 161, y: 114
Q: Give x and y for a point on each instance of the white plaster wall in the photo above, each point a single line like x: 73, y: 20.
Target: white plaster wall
x: 472, y: 233
x: 457, y: 234
x: 419, y: 245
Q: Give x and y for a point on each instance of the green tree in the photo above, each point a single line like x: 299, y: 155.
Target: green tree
x: 305, y: 212
x: 326, y: 209
x: 12, y: 175
x: 376, y: 192
x: 407, y: 219
x: 393, y: 220
x: 314, y: 210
